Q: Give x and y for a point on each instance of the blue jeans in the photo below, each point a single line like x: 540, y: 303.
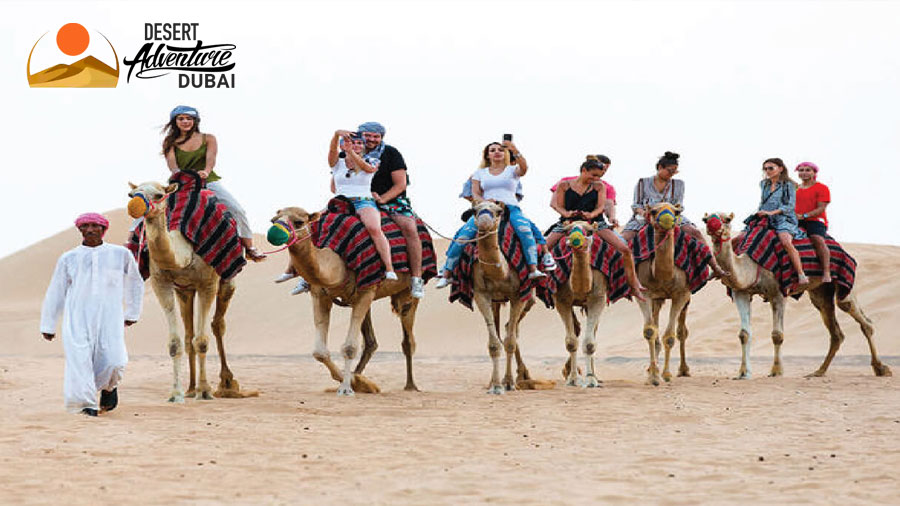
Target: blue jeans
x: 528, y: 233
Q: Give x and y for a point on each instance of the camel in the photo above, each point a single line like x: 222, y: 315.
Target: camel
x: 664, y: 280
x: 176, y: 270
x: 586, y: 287
x: 493, y: 281
x: 331, y: 282
x: 746, y: 279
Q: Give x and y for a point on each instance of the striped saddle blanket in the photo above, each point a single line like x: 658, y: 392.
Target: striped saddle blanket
x: 691, y: 255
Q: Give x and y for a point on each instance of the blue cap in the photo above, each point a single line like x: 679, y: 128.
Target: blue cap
x: 183, y: 109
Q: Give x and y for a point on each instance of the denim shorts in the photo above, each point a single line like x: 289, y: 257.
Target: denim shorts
x: 363, y: 202
x: 813, y: 227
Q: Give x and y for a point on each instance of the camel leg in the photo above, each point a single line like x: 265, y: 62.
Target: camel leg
x: 678, y: 305
x: 484, y: 306
x: 186, y: 304
x: 351, y: 344
x: 594, y: 310
x: 777, y: 304
x: 229, y: 387
x: 651, y: 335
x: 511, y: 342
x: 322, y: 317
x: 165, y: 293
x: 522, y: 374
x: 407, y: 319
x: 567, y: 314
x: 370, y: 343
x: 683, y: 369
x: 206, y: 296
x: 742, y: 301
x: 850, y: 306
x: 823, y: 298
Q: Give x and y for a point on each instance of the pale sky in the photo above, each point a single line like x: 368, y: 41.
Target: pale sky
x: 725, y: 84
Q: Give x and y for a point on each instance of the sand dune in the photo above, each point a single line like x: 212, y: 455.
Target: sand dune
x: 699, y: 439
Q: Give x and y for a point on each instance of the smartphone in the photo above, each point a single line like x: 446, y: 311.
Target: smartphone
x: 507, y: 137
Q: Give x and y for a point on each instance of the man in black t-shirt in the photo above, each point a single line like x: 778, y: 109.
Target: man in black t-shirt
x: 389, y: 190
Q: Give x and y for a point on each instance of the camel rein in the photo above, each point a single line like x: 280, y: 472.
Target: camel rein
x: 457, y: 241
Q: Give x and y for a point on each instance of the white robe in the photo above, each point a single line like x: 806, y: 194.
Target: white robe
x: 89, y: 285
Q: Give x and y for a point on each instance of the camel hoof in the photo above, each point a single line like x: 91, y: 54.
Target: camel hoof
x: 177, y: 398
x: 684, y: 373
x: 590, y: 382
x: 882, y: 370
x: 818, y: 374
x: 411, y: 387
x: 775, y: 374
x: 204, y: 395
x: 536, y: 384
x: 231, y: 389
x: 742, y: 376
x: 364, y: 385
x: 190, y: 392
x: 574, y: 382
x: 496, y: 390
x: 667, y: 377
x: 345, y: 391
x: 654, y: 381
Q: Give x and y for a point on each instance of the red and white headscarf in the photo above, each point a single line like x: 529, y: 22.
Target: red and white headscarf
x: 97, y: 219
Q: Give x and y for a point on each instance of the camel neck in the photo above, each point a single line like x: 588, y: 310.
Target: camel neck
x: 158, y: 241
x: 490, y: 258
x: 318, y: 267
x: 581, y: 277
x: 664, y: 259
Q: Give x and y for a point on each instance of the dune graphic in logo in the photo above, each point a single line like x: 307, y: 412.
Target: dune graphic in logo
x: 78, y: 59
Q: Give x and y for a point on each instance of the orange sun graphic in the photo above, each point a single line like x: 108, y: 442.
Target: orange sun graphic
x: 72, y: 39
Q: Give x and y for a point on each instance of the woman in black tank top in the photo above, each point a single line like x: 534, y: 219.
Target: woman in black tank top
x: 584, y: 199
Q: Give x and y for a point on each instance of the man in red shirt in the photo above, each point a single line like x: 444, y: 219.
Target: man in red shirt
x: 812, y: 198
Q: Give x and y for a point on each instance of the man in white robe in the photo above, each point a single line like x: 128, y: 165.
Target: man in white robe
x: 89, y: 286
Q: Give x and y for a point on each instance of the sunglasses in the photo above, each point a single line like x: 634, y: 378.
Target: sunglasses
x: 770, y: 167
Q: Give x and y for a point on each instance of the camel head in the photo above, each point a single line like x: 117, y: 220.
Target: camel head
x: 579, y: 234
x: 488, y: 214
x: 664, y: 216
x: 294, y: 219
x: 718, y: 226
x: 148, y: 199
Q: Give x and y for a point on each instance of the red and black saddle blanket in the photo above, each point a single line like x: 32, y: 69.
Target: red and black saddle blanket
x: 604, y: 258
x: 340, y: 230
x: 761, y: 244
x: 691, y: 255
x: 204, y: 221
x: 463, y: 284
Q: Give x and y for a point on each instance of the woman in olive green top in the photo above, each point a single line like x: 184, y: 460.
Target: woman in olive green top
x: 186, y: 148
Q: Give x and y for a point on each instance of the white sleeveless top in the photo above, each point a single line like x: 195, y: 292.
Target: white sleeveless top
x: 351, y: 183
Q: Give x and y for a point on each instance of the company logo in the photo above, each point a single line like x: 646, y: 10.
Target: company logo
x: 196, y: 64
x: 75, y: 58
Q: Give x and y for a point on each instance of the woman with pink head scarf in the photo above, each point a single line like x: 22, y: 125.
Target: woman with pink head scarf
x: 812, y: 198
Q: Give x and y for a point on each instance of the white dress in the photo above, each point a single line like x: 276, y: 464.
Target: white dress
x: 89, y: 286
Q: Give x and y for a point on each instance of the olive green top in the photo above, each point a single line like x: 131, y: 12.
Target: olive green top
x: 194, y: 160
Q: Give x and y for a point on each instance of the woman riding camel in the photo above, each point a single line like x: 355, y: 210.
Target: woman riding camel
x: 663, y: 187
x: 584, y: 198
x: 779, y: 195
x: 351, y: 177
x: 187, y: 149
x: 497, y: 180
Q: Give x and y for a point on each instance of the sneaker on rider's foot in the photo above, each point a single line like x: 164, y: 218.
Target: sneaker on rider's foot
x: 302, y: 287
x: 390, y: 276
x: 442, y: 282
x: 548, y: 262
x: 536, y: 275
x: 417, y: 287
x: 284, y: 277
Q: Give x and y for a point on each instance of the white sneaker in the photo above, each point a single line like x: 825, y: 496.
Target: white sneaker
x: 442, y: 282
x: 284, y: 277
x: 548, y: 262
x: 302, y: 287
x: 536, y: 275
x: 390, y: 275
x: 417, y: 287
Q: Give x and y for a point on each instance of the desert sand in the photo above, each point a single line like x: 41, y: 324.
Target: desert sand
x: 705, y: 439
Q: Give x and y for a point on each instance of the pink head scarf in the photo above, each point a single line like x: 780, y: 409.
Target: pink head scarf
x: 94, y: 218
x: 811, y: 165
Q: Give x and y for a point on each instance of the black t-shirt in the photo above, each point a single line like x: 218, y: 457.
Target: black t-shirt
x: 391, y: 160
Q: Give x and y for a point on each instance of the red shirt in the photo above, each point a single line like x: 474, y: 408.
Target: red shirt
x: 808, y: 200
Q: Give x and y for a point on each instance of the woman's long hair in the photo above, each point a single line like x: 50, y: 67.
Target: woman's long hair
x: 783, y: 176
x: 485, y: 159
x: 172, y: 133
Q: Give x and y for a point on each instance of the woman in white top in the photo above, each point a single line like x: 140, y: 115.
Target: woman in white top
x: 352, y: 178
x: 497, y: 180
